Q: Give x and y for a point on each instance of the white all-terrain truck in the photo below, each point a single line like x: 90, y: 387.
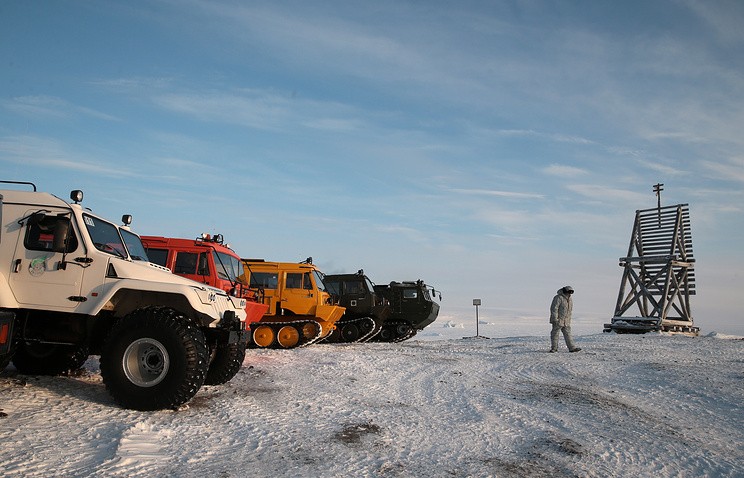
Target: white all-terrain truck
x: 73, y: 284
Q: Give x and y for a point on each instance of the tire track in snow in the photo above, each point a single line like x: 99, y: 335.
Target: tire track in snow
x: 140, y: 451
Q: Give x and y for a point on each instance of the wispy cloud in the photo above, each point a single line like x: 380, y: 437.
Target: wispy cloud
x: 556, y: 137
x: 51, y: 107
x: 497, y: 193
x: 135, y: 84
x: 261, y: 109
x: 665, y: 169
x: 407, y: 232
x: 317, y: 37
x: 724, y: 17
x: 731, y: 170
x: 564, y: 171
x: 35, y: 151
x: 604, y: 194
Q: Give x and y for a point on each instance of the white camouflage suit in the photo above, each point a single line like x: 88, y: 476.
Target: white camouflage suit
x: 560, y: 317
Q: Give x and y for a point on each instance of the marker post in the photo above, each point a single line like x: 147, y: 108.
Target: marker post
x: 476, y: 303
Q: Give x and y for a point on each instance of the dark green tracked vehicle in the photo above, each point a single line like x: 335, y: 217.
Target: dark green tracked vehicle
x: 412, y: 308
x: 366, y: 311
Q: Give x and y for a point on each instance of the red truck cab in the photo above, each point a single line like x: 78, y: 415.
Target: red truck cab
x: 206, y: 259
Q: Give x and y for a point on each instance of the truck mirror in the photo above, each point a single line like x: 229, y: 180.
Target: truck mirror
x: 61, y: 230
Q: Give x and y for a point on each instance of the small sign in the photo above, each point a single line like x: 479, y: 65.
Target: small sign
x: 476, y: 302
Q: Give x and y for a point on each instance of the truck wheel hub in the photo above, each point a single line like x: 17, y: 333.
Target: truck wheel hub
x: 145, y: 362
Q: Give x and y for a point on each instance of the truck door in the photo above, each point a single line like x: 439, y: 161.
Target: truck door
x: 36, y: 277
x: 298, y: 293
x: 194, y: 266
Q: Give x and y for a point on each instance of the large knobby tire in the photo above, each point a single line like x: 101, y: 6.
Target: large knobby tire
x: 48, y: 359
x: 154, y: 358
x: 226, y: 361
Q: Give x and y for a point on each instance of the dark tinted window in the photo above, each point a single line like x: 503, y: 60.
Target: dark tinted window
x: 186, y: 263
x: 354, y: 287
x: 158, y: 256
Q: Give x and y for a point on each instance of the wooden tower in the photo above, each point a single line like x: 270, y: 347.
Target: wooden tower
x: 658, y: 274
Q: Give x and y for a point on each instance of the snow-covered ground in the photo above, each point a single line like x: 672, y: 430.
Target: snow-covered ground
x: 436, y: 405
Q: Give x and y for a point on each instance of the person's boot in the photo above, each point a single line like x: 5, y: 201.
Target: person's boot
x: 575, y: 349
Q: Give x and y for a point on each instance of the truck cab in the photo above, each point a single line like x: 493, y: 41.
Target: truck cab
x: 366, y: 310
x: 77, y: 284
x: 296, y: 297
x: 412, y: 308
x: 206, y: 259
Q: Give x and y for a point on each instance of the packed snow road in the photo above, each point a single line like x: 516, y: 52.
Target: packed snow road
x: 650, y: 405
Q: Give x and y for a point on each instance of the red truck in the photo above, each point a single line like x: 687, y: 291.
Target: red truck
x: 206, y: 259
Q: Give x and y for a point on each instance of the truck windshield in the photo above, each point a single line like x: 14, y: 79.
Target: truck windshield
x: 333, y: 286
x: 105, y: 236
x: 228, y: 267
x: 319, y: 280
x: 134, y: 245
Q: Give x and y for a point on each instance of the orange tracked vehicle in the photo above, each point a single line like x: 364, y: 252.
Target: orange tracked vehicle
x: 300, y: 309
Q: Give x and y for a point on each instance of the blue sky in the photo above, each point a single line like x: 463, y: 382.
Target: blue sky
x: 497, y: 150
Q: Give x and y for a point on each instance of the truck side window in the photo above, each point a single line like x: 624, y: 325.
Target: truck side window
x: 267, y: 280
x: 409, y: 294
x: 158, y: 256
x: 40, y: 234
x: 186, y: 263
x: 294, y: 280
x: 307, y: 284
x: 354, y: 287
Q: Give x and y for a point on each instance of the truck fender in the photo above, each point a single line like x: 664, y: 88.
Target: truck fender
x: 107, y: 292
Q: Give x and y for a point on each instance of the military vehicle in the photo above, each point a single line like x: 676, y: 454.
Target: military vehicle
x: 412, y: 308
x: 301, y: 311
x: 365, y: 312
x: 73, y: 284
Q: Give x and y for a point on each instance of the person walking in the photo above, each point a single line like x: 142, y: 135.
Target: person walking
x: 560, y: 317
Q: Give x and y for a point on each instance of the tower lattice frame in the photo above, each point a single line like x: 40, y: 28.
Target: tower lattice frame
x: 658, y: 274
